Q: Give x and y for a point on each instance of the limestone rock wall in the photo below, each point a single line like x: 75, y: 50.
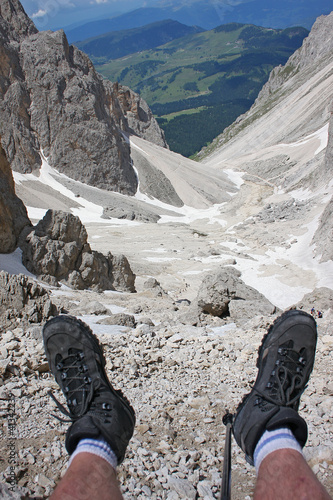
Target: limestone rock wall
x: 17, y: 22
x: 315, y: 47
x: 52, y: 99
x: 13, y: 214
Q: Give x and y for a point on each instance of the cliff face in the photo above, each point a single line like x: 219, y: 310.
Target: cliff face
x: 18, y: 25
x: 315, y: 51
x: 52, y: 99
x: 13, y: 215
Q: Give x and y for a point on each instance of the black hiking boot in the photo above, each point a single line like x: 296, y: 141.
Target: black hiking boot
x: 285, y: 362
x: 96, y: 409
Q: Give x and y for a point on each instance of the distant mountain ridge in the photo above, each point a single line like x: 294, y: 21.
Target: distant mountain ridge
x: 209, y: 14
x: 121, y: 43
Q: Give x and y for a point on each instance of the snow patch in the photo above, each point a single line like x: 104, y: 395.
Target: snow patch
x: 91, y: 320
x: 12, y: 263
x: 160, y: 259
x: 321, y: 135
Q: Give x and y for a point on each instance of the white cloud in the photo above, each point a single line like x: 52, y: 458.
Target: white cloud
x: 40, y: 13
x: 99, y: 1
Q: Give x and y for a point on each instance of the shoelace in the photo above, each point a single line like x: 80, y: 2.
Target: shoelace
x: 286, y: 379
x: 75, y: 384
x: 73, y: 362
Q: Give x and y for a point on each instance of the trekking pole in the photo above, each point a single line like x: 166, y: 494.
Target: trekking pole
x: 226, y: 477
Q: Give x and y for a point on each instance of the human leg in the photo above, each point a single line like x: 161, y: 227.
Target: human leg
x: 285, y: 362
x: 88, y: 477
x: 102, y: 419
x: 285, y: 475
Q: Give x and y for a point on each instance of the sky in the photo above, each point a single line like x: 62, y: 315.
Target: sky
x: 54, y: 14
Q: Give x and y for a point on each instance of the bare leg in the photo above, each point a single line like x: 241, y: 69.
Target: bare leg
x: 285, y: 475
x: 89, y: 477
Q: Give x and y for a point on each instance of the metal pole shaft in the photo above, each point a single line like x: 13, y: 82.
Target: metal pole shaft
x: 226, y: 477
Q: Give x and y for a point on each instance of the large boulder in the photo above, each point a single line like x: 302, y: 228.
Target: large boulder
x: 21, y: 297
x: 58, y: 247
x: 123, y: 278
x: 217, y: 290
x: 224, y: 294
x: 321, y: 299
x: 13, y: 214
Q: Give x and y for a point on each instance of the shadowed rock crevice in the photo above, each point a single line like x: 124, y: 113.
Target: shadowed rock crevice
x: 13, y: 214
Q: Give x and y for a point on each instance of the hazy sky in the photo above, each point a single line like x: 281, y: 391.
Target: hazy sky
x: 52, y: 14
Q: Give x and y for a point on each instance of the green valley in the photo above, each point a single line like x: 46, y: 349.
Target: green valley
x: 199, y: 84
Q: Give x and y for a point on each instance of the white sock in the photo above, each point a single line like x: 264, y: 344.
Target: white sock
x: 97, y: 447
x: 270, y: 441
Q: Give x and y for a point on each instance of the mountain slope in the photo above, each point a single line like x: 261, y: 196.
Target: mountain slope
x: 304, y: 82
x: 283, y: 142
x: 121, y: 43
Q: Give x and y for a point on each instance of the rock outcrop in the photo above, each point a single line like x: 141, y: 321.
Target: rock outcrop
x: 52, y: 99
x: 224, y: 294
x: 57, y: 249
x: 139, y: 117
x: 18, y: 23
x: 122, y: 211
x: 321, y: 299
x: 22, y: 298
x: 13, y: 214
x: 323, y: 237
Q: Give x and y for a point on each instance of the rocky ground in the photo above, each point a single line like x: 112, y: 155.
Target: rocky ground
x: 180, y: 379
x: 181, y: 373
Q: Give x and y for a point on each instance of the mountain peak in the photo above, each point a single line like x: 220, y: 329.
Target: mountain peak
x: 15, y: 21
